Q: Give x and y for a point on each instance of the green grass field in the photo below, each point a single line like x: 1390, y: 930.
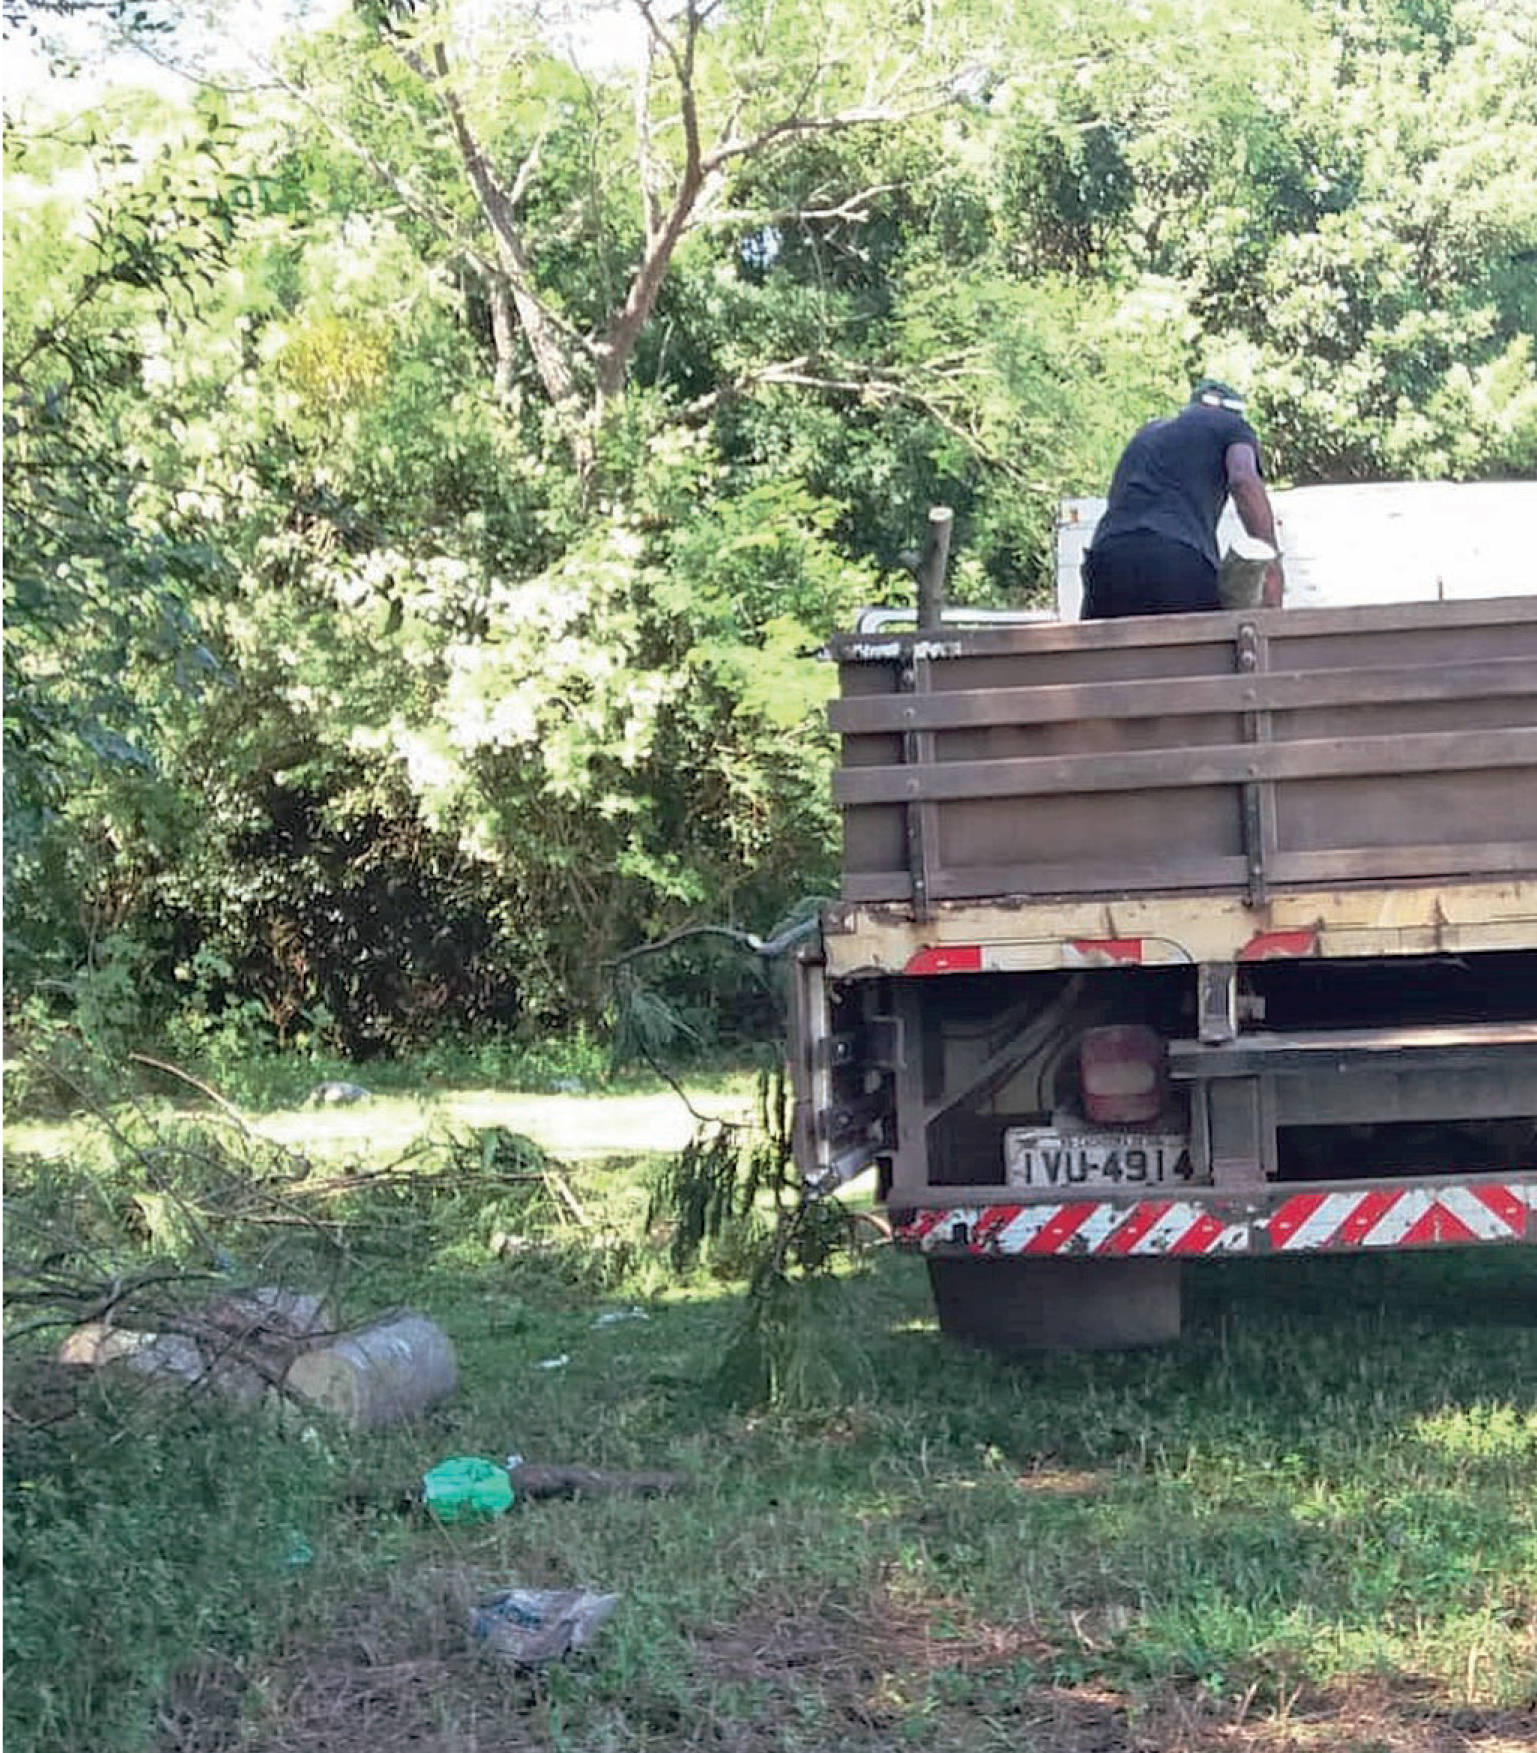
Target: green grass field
x: 1310, y: 1524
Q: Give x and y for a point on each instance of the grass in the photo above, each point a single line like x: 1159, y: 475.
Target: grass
x: 1311, y: 1523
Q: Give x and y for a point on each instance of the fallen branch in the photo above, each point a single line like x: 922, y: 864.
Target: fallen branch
x: 558, y: 1184
x: 365, y: 1180
x: 197, y: 1084
x: 535, y: 1481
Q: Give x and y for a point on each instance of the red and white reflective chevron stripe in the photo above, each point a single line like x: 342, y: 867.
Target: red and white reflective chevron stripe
x: 1086, y: 1226
x: 1413, y: 1217
x: 1383, y: 1217
x: 1267, y: 946
x: 1004, y: 956
x: 955, y: 958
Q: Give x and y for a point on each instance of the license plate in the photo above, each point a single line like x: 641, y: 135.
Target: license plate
x: 1039, y: 1157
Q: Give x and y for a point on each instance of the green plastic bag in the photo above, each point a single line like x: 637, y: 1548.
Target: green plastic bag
x: 466, y: 1489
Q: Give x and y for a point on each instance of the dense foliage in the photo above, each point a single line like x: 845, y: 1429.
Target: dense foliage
x: 429, y: 477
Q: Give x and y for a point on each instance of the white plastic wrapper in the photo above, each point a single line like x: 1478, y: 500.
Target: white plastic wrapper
x: 530, y: 1626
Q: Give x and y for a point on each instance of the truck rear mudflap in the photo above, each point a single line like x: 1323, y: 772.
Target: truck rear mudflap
x: 1336, y: 1218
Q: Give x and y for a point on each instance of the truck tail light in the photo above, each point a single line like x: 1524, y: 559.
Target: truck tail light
x: 1121, y: 1074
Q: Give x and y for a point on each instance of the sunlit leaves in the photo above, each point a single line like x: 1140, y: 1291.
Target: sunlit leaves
x: 334, y: 364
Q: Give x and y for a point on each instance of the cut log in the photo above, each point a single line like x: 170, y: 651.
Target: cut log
x: 384, y: 1374
x: 530, y: 1480
x: 1241, y: 578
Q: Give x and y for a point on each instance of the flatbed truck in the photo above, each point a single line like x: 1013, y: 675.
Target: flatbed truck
x: 1177, y: 937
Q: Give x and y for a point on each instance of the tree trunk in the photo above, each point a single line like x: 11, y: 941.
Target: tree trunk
x: 504, y: 337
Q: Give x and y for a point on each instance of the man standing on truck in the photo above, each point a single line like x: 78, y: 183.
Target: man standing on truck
x: 1154, y: 551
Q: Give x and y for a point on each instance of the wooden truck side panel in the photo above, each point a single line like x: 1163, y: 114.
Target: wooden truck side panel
x: 1240, y: 751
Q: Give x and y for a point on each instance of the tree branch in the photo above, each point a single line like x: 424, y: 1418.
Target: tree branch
x: 526, y: 171
x: 498, y: 204
x: 645, y: 164
x: 870, y: 384
x: 855, y: 209
x: 790, y: 127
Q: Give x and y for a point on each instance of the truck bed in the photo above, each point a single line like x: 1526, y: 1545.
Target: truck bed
x: 1283, y: 769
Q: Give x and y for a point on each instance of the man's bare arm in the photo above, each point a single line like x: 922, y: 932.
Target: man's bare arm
x: 1247, y: 487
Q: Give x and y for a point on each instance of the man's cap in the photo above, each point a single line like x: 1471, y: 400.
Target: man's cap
x: 1216, y: 394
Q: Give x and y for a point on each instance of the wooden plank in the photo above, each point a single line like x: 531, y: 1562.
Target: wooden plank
x: 1037, y: 636
x: 1362, y: 863
x: 1273, y: 691
x: 1217, y: 764
x: 1344, y: 865
x: 882, y: 885
x: 1449, y: 810
x: 1444, y: 915
x: 1145, y: 631
x: 1131, y: 833
x: 966, y: 883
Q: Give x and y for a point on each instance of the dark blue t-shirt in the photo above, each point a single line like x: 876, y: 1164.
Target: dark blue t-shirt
x: 1172, y: 478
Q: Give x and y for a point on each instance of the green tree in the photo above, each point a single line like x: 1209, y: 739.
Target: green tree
x: 105, y: 561
x: 417, y: 550
x: 635, y: 164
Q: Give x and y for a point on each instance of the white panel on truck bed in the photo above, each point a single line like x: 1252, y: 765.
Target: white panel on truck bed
x: 1376, y: 542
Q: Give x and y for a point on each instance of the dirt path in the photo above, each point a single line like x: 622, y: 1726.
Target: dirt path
x: 570, y: 1127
